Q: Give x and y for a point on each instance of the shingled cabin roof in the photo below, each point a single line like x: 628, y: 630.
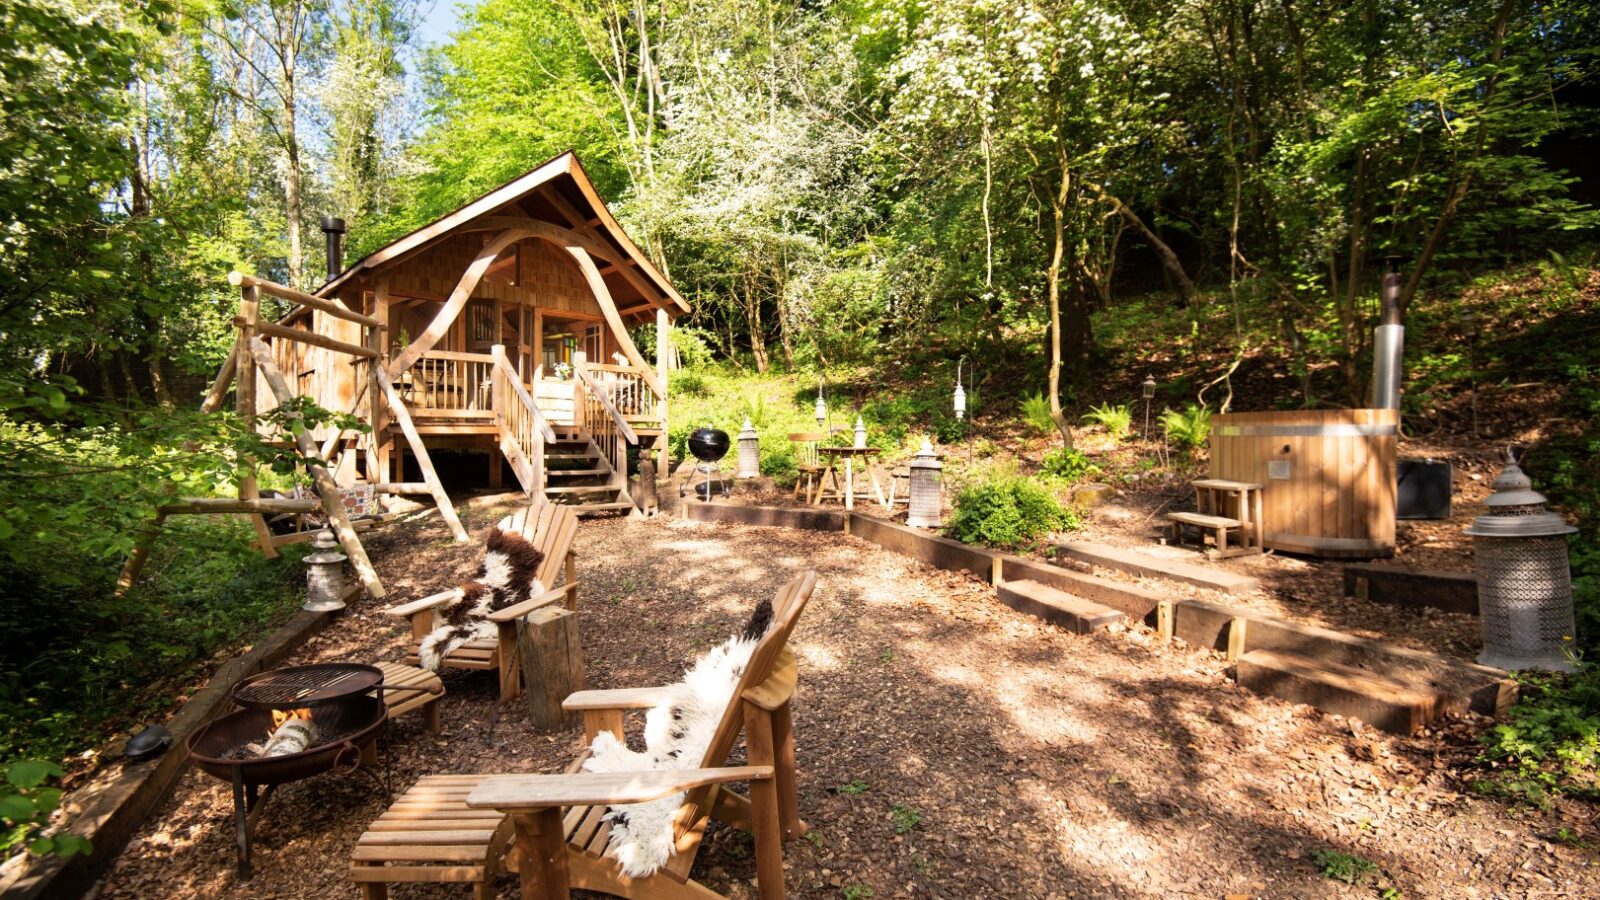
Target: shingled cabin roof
x: 561, y: 193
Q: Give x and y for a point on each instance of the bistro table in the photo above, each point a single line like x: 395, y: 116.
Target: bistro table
x: 831, y: 457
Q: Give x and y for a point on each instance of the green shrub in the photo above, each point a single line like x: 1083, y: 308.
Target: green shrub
x: 1009, y: 512
x: 1189, y: 428
x: 1068, y: 464
x: 1116, y: 420
x: 949, y: 429
x: 687, y: 381
x: 1035, y: 411
x: 1549, y: 742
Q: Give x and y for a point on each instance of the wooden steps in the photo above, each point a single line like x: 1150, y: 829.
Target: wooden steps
x: 1144, y: 565
x: 1374, y: 698
x: 1058, y: 607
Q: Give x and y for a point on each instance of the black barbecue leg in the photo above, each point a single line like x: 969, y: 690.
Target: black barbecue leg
x: 241, y: 816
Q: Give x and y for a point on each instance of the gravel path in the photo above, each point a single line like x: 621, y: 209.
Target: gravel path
x: 948, y: 747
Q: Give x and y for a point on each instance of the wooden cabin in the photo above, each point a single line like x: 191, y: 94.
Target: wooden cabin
x: 504, y: 327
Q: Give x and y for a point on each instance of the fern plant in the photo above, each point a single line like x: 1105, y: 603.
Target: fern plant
x: 1116, y: 420
x: 1188, y: 428
x: 1035, y: 410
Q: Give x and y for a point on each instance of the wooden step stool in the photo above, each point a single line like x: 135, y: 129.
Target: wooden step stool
x: 401, y: 702
x: 1219, y: 526
x: 429, y: 834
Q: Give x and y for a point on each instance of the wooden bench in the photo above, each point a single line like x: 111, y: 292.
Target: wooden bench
x: 402, y: 702
x: 1219, y: 526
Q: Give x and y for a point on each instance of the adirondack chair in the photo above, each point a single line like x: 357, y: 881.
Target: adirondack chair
x: 548, y: 526
x: 464, y: 828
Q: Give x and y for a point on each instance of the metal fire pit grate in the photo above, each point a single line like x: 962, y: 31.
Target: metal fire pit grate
x: 306, y: 686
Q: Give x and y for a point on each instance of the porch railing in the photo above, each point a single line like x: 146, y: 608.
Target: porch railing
x: 629, y: 392
x: 447, y: 383
x: 594, y: 412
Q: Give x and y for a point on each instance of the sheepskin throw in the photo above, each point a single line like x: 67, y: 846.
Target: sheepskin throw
x: 677, y: 732
x: 505, y: 579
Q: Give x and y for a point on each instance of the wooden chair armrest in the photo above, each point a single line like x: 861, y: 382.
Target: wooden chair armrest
x: 522, y: 793
x: 512, y: 613
x: 617, y: 698
x: 406, y: 610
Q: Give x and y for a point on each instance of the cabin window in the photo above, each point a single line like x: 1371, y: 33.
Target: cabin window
x: 480, y: 323
x: 556, y: 355
x: 594, y: 344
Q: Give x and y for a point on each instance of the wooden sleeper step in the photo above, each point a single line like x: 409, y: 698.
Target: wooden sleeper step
x: 1144, y: 565
x: 1058, y: 607
x: 1376, y: 699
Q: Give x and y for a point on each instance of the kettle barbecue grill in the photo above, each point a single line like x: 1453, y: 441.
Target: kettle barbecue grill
x: 708, y: 445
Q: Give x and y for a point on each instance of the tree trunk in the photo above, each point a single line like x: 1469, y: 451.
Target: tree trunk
x: 1058, y: 212
x: 1169, y: 259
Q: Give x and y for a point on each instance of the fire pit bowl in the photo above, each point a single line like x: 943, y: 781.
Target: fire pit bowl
x: 350, y: 725
x: 708, y: 444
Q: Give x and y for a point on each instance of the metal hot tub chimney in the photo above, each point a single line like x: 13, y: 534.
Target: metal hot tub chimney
x: 333, y: 229
x: 1389, y: 340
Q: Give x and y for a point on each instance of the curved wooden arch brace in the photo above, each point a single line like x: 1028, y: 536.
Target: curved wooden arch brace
x: 608, y: 307
x: 556, y: 234
x: 456, y: 302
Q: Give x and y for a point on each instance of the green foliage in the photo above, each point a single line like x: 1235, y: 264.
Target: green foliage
x: 904, y: 818
x: 687, y: 382
x: 1341, y: 866
x: 26, y: 802
x: 1035, y: 410
x: 1116, y: 420
x: 1008, y: 512
x: 858, y: 892
x: 1188, y: 428
x: 1068, y: 464
x: 1549, y: 742
x: 855, y: 788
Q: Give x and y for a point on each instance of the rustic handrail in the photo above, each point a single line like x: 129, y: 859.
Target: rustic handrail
x: 515, y: 381
x: 581, y: 371
x: 331, y: 307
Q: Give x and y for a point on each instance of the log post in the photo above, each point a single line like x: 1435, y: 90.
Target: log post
x: 332, y: 504
x: 552, y: 665
x: 245, y: 402
x: 663, y: 364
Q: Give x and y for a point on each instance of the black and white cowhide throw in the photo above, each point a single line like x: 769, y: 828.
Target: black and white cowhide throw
x: 677, y: 732
x: 505, y: 579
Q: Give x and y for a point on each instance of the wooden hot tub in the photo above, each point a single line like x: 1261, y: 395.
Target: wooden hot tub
x: 1329, y: 476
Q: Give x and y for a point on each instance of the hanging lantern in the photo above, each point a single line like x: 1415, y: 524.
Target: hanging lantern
x: 749, y: 452
x: 324, y: 574
x: 822, y: 410
x: 961, y: 401
x: 861, y: 432
x: 1524, y: 580
x: 927, y: 495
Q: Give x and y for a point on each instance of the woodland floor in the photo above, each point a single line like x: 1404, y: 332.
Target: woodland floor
x: 1017, y: 760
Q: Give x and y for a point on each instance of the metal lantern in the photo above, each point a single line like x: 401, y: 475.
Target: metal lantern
x: 1524, y: 581
x: 961, y: 401
x: 324, y: 574
x: 1148, y: 391
x: 861, y: 432
x: 822, y: 410
x: 749, y: 452
x: 927, y: 496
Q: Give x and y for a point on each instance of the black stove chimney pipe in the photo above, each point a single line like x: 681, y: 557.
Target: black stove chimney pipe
x: 1389, y: 338
x: 333, y: 229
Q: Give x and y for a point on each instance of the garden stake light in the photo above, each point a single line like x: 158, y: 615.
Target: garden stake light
x: 1524, y: 581
x: 1148, y: 391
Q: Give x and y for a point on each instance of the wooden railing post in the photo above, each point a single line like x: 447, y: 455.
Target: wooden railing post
x: 663, y: 358
x: 245, y: 397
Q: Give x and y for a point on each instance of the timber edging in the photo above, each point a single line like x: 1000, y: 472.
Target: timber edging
x: 112, y: 806
x: 1461, y: 685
